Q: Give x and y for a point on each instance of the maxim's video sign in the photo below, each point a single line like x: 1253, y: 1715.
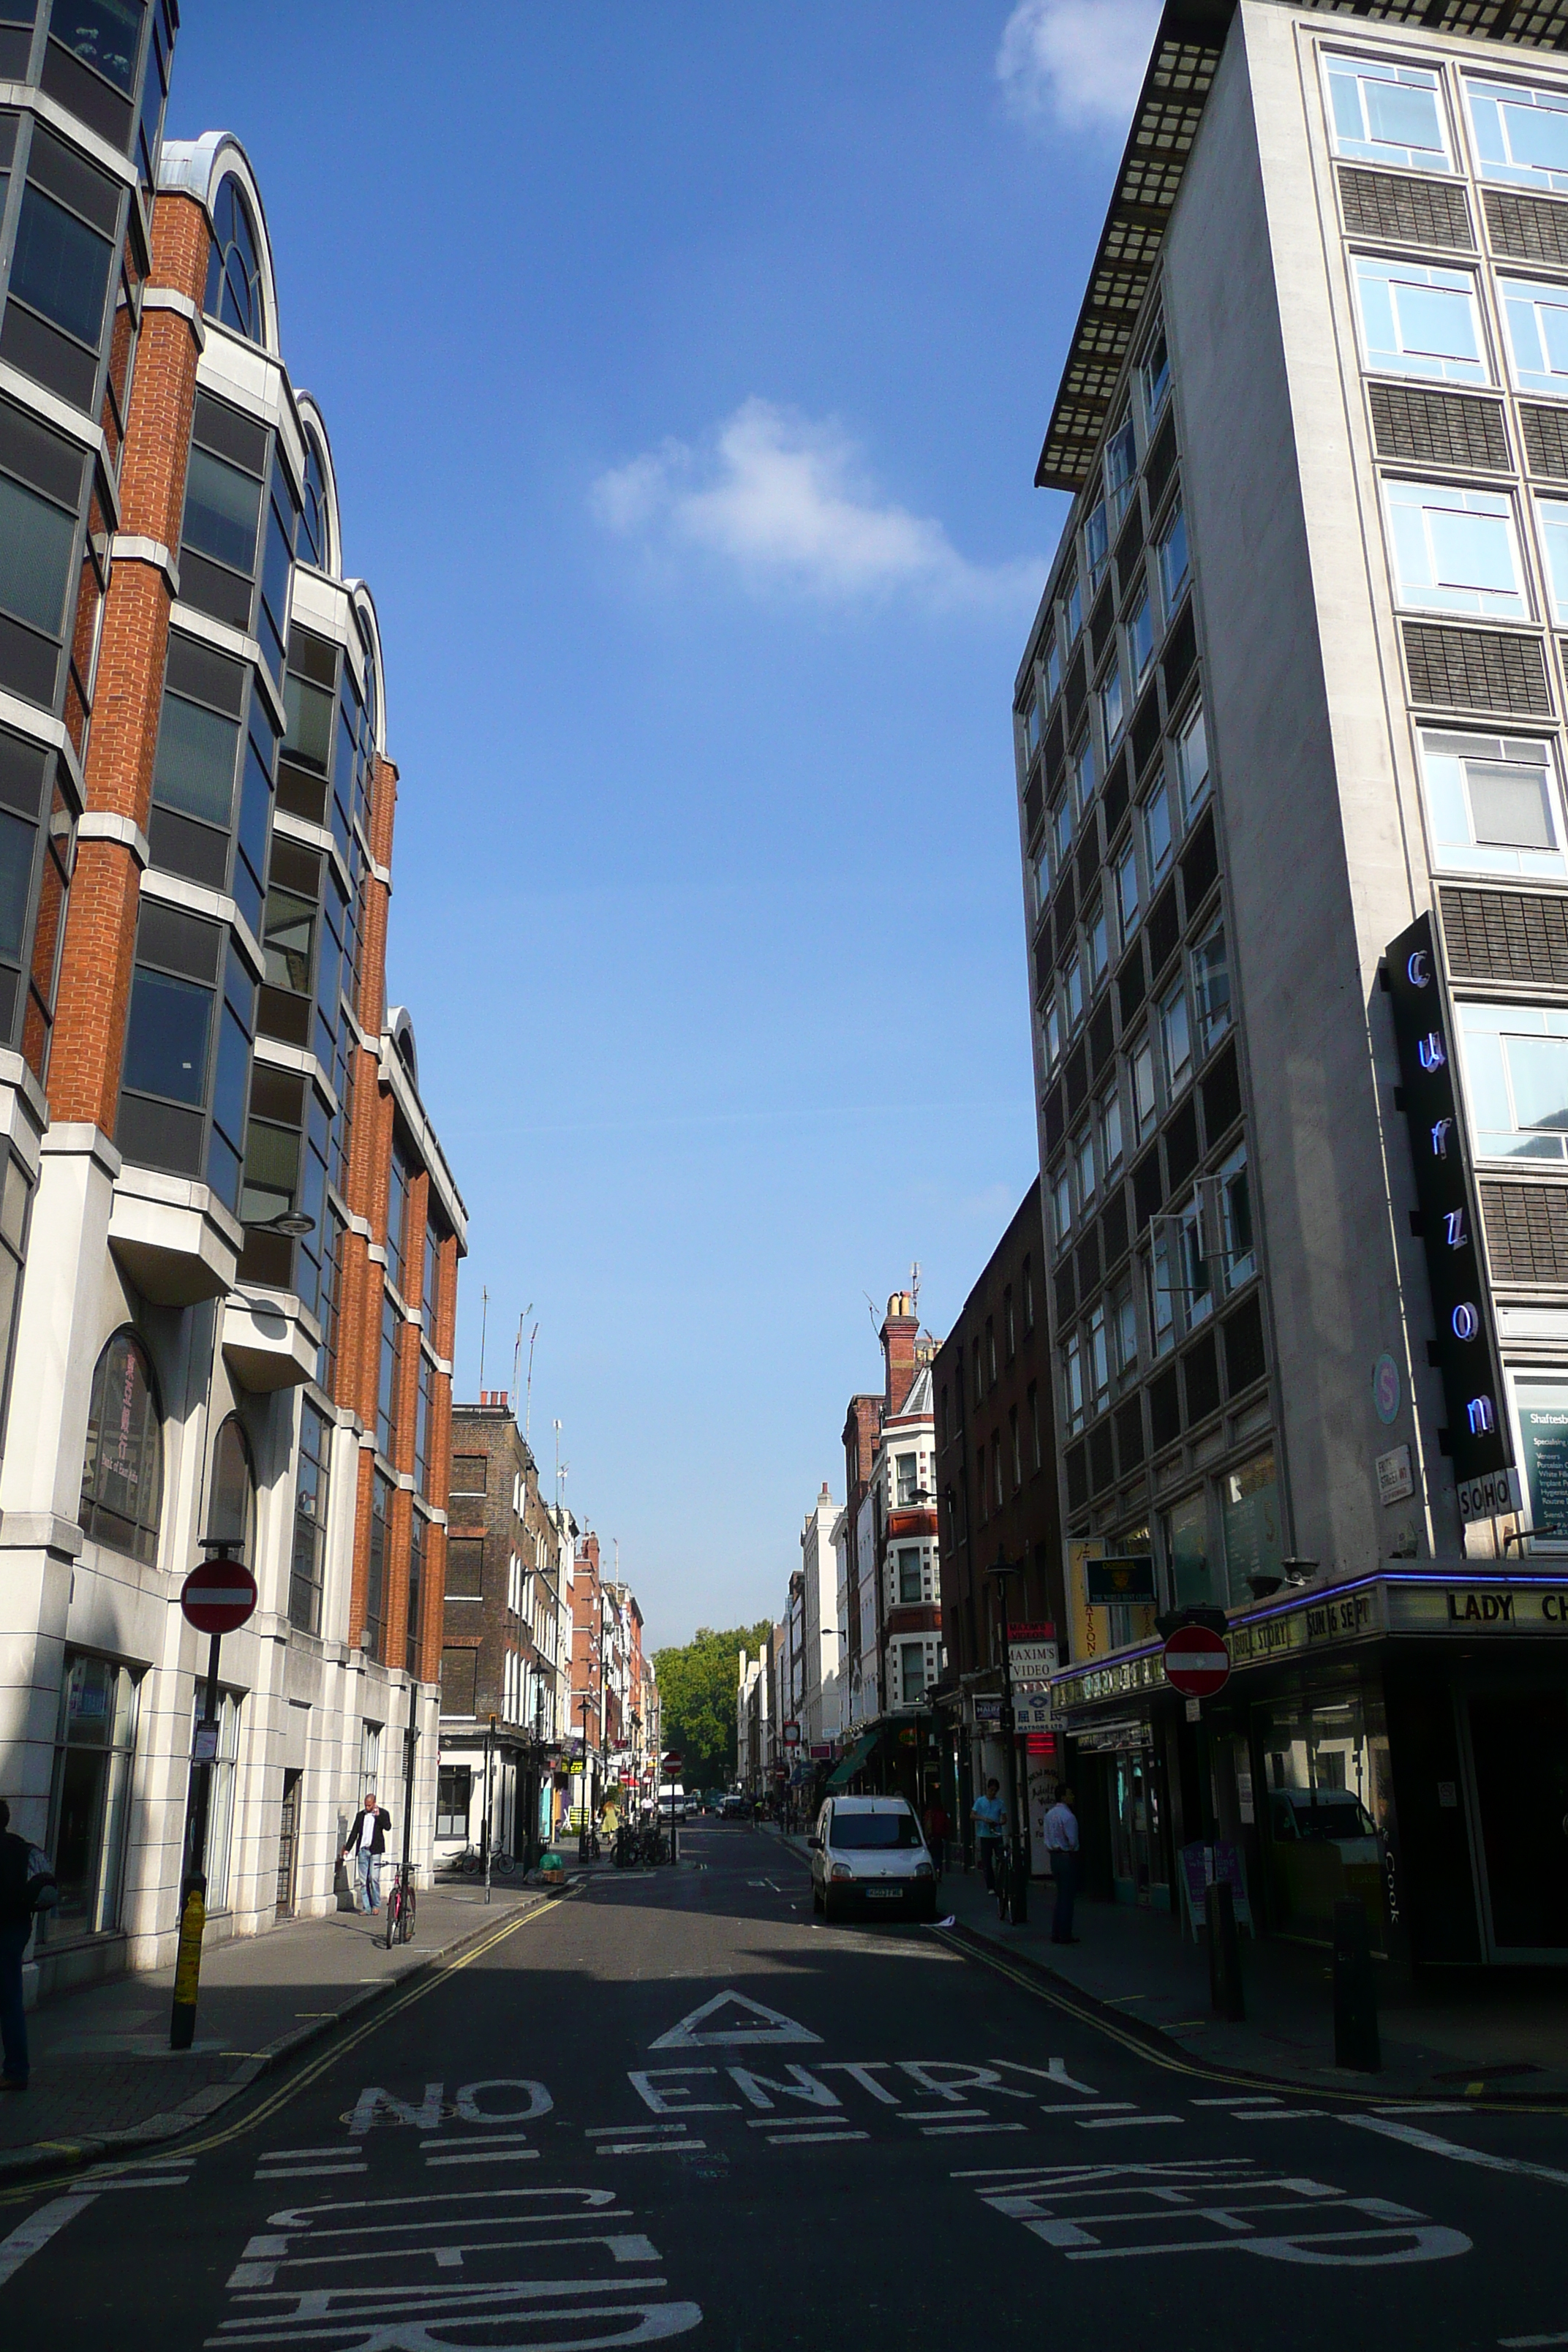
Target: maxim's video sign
x: 1466, y: 1346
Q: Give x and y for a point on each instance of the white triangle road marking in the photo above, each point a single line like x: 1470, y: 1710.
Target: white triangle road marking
x: 753, y: 2021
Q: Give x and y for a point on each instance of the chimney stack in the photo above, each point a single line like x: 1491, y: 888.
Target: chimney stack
x: 898, y: 1335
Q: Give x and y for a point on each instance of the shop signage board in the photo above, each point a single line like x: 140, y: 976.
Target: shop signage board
x: 1032, y: 1655
x: 1118, y: 1578
x: 1227, y: 1869
x: 1197, y: 1662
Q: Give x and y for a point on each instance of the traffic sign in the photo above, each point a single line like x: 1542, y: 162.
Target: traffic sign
x: 1197, y: 1662
x: 672, y: 1760
x: 219, y: 1596
x: 791, y: 1734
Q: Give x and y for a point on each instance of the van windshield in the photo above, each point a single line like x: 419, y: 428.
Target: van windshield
x: 854, y: 1832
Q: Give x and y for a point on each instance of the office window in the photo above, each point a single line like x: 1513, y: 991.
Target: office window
x: 1082, y: 773
x: 1112, y: 708
x: 1537, y: 321
x: 1521, y: 135
x: 1127, y: 891
x: 1141, y: 636
x: 1110, y: 1122
x: 1235, y: 1221
x: 372, y: 1634
x: 231, y: 1509
x: 909, y: 1573
x: 1035, y: 1455
x: 308, y: 1565
x: 1162, y: 1291
x: 978, y: 1373
x: 1145, y: 1100
x: 1040, y: 872
x: 89, y: 1796
x: 1051, y: 1032
x: 1028, y: 1284
x: 1456, y: 550
x: 906, y: 1474
x: 1099, y: 1359
x: 1516, y: 1069
x: 397, y: 1222
x: 1009, y: 1323
x: 1157, y: 830
x: 1154, y: 372
x: 1072, y: 1384
x: 387, y: 1385
x: 1072, y: 597
x: 1099, y: 942
x: 1420, y: 321
x: 1072, y: 992
x: 1387, y: 113
x: 1083, y: 1161
x: 1493, y: 804
x: 1124, y: 1327
x: 122, y: 1471
x: 1029, y: 718
x: 1060, y: 826
x: 424, y: 1393
x: 1051, y: 661
x: 1211, y: 989
x: 1193, y: 762
x: 912, y: 1666
x: 234, y: 272
x: 1061, y: 1220
x: 1015, y: 1446
x: 991, y: 1349
x: 1176, y: 1038
x: 1196, y: 1278
x: 1552, y: 517
x: 468, y: 1480
x: 1120, y: 468
x: 1096, y: 544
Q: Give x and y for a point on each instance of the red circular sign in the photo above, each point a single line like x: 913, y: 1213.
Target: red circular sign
x: 1197, y: 1662
x: 219, y: 1596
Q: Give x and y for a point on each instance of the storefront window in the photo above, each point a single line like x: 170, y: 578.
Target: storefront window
x: 1249, y: 1500
x: 1137, y: 1831
x: 1543, y: 1454
x: 1193, y: 1579
x: 220, y: 1796
x: 95, y: 1739
x: 1325, y: 1814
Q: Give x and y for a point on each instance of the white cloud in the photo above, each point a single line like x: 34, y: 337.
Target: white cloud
x: 1080, y: 63
x: 785, y: 500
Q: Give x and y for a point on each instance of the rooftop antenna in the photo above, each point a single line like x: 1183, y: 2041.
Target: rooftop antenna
x: 516, y: 1351
x: 915, y: 1289
x: 528, y: 1405
x: 871, y: 1309
x: 484, y: 1319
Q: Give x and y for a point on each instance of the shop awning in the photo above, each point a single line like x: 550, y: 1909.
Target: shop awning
x: 849, y: 1765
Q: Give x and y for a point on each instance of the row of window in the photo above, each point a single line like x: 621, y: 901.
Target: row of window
x: 1429, y: 320
x: 1012, y: 1456
x: 982, y: 1357
x: 1383, y: 111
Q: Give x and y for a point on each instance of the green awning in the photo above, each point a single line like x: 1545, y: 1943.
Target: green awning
x: 847, y: 1766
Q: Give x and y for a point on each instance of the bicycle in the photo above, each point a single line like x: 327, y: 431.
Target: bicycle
x: 400, y: 1909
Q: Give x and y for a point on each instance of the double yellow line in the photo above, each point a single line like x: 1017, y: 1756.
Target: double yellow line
x: 181, y: 2149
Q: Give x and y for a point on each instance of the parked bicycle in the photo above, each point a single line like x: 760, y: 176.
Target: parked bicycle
x: 471, y: 1863
x: 400, y: 1908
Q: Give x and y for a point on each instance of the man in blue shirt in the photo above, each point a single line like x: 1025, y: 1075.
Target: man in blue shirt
x: 990, y: 1820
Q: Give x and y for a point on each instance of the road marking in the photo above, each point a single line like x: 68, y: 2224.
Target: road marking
x: 1520, y: 2343
x: 813, y: 2138
x: 516, y: 2152
x: 629, y: 2131
x: 1235, y: 2099
x: 860, y: 2071
x: 1121, y: 2123
x: 1456, y: 2154
x: 307, y: 2171
x: 954, y: 2131
x: 1054, y: 2071
x: 804, y: 2085
x: 38, y: 2229
x: 649, y: 2146
x: 752, y: 2021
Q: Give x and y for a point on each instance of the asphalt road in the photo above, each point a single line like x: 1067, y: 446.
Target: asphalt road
x: 676, y: 2105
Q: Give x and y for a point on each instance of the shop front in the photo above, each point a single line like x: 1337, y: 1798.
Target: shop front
x: 1398, y: 1739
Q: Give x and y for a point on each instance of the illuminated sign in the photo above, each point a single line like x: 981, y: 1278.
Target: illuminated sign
x: 1466, y: 1348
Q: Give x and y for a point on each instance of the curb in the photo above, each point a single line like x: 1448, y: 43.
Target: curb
x: 43, y: 2158
x: 1168, y: 2052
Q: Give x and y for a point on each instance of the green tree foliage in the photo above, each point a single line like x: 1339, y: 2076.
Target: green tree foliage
x: 696, y: 1685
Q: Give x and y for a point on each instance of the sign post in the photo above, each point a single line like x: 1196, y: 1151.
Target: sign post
x: 670, y: 1767
x: 1197, y: 1664
x: 217, y: 1598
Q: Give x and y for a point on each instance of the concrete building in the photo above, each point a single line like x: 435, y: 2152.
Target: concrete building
x: 821, y: 1643
x: 230, y: 1236
x: 1291, y: 805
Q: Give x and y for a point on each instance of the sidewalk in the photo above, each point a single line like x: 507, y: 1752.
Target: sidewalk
x: 104, y: 2080
x: 1497, y: 2033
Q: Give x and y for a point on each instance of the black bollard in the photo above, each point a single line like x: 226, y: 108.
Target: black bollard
x: 1356, y: 2041
x: 1226, y: 1997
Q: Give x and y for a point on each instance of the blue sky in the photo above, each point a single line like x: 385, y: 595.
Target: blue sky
x: 685, y: 367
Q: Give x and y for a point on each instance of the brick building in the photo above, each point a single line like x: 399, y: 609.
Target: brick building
x: 586, y: 1709
x: 502, y: 1642
x: 230, y: 1239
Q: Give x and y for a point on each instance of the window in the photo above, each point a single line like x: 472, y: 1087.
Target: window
x: 458, y: 1670
x: 89, y: 1796
x: 306, y: 1567
x: 909, y: 1588
x: 1052, y: 662
x: 990, y: 1349
x: 1176, y: 1039
x: 372, y: 1634
x: 213, y: 1859
x: 1521, y: 135
x: 1110, y: 1121
x: 1120, y: 468
x: 1157, y: 831
x: 387, y: 1385
x: 37, y: 539
x: 1196, y: 1278
x: 912, y: 1669
x: 1072, y: 992
x: 1420, y: 321
x: 413, y: 1645
x: 454, y: 1784
x: 1193, y: 762
x: 996, y: 1470
x: 980, y: 1483
x: 1249, y: 1506
x: 1456, y: 550
x: 1516, y: 1065
x: 1083, y: 1161
x: 1140, y: 640
x: 234, y: 273
x: 432, y: 1290
x: 1127, y: 891
x: 1156, y: 372
x: 122, y: 1473
x: 1145, y: 1104
x: 1029, y: 1280
x: 1174, y: 561
x: 1211, y: 989
x: 1040, y: 872
x: 1537, y: 321
x: 231, y: 1512
x: 1111, y: 708
x: 61, y: 268
x: 1235, y: 1221
x: 1083, y: 771
x: 1061, y: 1212
x: 979, y: 1377
x: 1051, y: 1033
x: 1072, y: 597
x: 1161, y: 1289
x: 1030, y: 727
x: 1098, y: 943
x: 1072, y: 1384
x: 1009, y: 1323
x: 16, y: 1196
x: 1185, y: 1528
x: 1124, y: 1327
x: 1552, y: 517
x: 1016, y: 1447
x: 397, y: 1222
x: 1493, y: 804
x: 906, y: 1473
x: 1100, y: 1359
x: 423, y: 1395
x: 1387, y: 113
x: 1061, y: 826
x: 1035, y: 1455
x: 1096, y: 544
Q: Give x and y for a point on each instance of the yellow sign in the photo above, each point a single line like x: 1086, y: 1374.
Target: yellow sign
x: 1089, y: 1624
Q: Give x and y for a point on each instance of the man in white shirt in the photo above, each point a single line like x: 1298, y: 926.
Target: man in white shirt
x: 367, y: 1844
x: 1061, y: 1844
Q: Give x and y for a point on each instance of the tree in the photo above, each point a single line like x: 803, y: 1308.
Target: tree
x: 697, y: 1687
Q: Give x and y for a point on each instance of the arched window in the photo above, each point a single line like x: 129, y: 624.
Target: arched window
x: 234, y: 273
x: 122, y: 1476
x: 313, y: 518
x: 231, y: 1515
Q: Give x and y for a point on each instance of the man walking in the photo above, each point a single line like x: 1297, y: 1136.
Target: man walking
x: 990, y: 1817
x: 367, y: 1844
x: 1061, y: 1844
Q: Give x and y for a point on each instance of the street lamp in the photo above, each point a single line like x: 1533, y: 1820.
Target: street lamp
x: 1014, y: 1897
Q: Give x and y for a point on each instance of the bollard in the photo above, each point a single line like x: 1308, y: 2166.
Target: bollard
x: 1226, y: 1997
x: 1356, y: 2041
x: 189, y: 1969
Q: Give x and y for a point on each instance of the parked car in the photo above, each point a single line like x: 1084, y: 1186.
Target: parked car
x: 867, y: 1856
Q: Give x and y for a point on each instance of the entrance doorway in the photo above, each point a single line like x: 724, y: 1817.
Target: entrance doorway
x: 1137, y: 1831
x: 1519, y: 1743
x: 288, y: 1843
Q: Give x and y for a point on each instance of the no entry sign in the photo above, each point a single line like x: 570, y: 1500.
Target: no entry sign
x: 218, y: 1597
x: 1197, y: 1662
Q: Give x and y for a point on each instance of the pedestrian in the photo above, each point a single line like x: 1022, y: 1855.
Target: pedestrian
x: 1061, y: 1844
x: 367, y: 1844
x: 936, y: 1830
x: 989, y: 1821
x: 26, y: 1887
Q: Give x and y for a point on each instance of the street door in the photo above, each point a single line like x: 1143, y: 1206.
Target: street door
x: 1519, y: 1741
x: 288, y: 1843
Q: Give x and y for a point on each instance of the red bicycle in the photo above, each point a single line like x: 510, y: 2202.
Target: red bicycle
x: 400, y: 1908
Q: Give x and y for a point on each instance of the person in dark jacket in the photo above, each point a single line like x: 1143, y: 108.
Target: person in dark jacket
x: 16, y: 1927
x: 367, y: 1844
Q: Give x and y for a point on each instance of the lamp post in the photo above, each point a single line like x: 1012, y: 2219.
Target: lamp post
x: 1016, y: 1859
x: 485, y: 1831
